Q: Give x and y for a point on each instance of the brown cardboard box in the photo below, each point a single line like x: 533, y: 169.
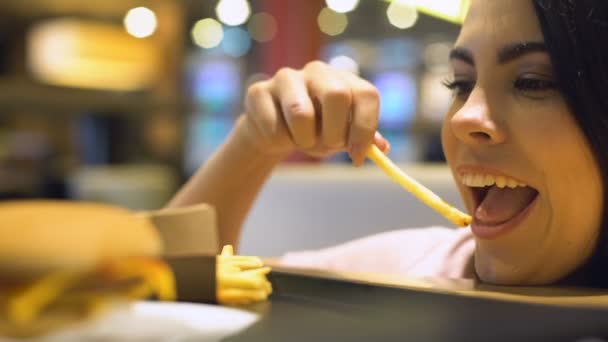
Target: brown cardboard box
x: 187, y: 231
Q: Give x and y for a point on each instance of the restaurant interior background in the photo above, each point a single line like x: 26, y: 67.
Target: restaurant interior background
x: 121, y: 100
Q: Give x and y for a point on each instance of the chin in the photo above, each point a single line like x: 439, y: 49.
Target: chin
x: 498, y: 273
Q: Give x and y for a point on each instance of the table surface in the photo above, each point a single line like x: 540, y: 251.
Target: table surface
x: 310, y: 305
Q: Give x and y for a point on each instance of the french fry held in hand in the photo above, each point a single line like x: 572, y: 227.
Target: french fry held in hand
x: 422, y: 193
x: 241, y: 279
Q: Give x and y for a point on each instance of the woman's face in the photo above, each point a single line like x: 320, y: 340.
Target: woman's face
x: 522, y: 165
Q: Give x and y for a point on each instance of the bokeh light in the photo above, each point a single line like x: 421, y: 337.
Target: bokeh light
x: 207, y: 33
x: 398, y: 95
x: 345, y: 63
x: 342, y: 6
x: 140, y: 22
x: 402, y: 14
x: 262, y: 27
x: 450, y: 9
x: 331, y: 22
x: 233, y: 12
x: 236, y: 42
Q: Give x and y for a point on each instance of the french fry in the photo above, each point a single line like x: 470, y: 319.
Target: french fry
x: 422, y: 193
x: 262, y: 271
x: 241, y: 279
x: 241, y: 296
x: 241, y: 262
x: 227, y: 250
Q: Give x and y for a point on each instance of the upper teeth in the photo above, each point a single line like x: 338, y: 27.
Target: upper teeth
x: 481, y: 180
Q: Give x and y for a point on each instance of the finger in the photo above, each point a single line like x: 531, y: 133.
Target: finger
x: 297, y: 107
x: 263, y: 111
x: 364, y: 121
x: 382, y: 143
x: 334, y: 95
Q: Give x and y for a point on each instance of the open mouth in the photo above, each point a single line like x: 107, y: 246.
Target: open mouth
x: 498, y: 200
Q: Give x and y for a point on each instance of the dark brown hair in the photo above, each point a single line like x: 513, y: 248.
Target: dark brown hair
x: 576, y: 36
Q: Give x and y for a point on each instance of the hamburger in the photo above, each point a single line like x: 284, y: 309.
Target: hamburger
x: 64, y: 262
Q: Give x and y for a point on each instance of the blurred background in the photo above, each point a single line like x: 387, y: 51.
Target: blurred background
x: 121, y: 100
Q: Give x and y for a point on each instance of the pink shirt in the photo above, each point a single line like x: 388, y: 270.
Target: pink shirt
x: 423, y: 252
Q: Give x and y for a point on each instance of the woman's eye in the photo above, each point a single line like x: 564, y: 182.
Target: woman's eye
x: 461, y: 88
x: 534, y: 84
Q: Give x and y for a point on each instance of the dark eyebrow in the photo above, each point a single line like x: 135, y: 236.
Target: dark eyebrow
x: 463, y: 55
x: 514, y: 51
x: 505, y: 54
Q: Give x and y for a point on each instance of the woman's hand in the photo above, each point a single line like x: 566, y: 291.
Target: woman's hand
x: 317, y: 110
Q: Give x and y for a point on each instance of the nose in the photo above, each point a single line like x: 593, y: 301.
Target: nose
x: 473, y: 124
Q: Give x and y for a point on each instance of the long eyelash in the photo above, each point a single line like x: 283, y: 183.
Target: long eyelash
x: 450, y: 84
x: 458, y: 86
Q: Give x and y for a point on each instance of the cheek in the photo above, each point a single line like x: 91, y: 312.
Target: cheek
x: 571, y: 178
x: 561, y: 153
x: 575, y: 188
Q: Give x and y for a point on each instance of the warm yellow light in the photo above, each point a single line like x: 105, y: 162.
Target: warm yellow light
x: 83, y: 54
x: 262, y: 27
x: 233, y: 12
x: 342, y: 6
x: 332, y: 23
x: 402, y: 14
x: 450, y: 10
x: 207, y: 33
x: 140, y: 22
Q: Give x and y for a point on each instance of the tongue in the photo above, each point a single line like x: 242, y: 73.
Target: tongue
x: 500, y: 205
